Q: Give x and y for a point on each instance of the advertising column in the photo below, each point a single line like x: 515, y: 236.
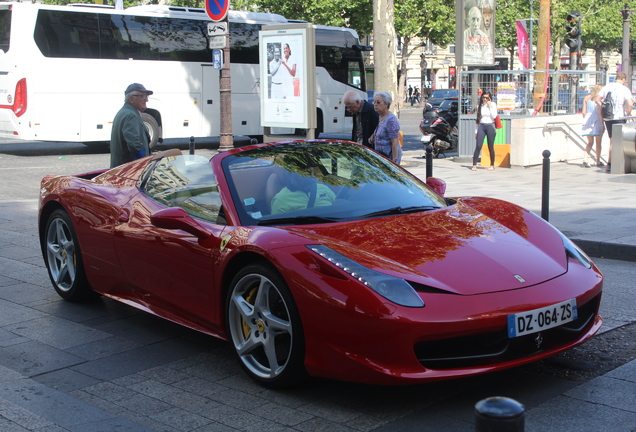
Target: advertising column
x: 287, y: 75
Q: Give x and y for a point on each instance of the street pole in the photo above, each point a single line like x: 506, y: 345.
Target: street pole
x: 542, y: 52
x: 225, y: 90
x: 627, y: 13
x: 531, y: 40
x: 423, y: 66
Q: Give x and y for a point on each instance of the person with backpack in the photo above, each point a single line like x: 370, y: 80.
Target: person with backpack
x: 616, y: 102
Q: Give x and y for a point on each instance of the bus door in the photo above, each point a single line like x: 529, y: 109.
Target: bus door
x: 210, y: 101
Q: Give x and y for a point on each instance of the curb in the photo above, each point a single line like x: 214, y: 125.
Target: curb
x: 607, y: 250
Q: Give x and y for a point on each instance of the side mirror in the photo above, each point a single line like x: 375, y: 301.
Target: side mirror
x: 173, y: 218
x: 438, y: 185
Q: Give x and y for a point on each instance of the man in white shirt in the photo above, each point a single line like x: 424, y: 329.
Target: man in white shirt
x: 623, y: 103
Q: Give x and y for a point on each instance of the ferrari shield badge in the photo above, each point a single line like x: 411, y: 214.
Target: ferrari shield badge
x: 225, y: 241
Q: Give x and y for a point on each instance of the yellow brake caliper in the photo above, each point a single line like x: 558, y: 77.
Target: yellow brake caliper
x: 250, y: 298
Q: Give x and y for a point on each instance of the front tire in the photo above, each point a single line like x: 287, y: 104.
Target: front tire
x: 264, y: 327
x: 63, y: 258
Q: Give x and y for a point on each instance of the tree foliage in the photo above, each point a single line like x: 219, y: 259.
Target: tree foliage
x: 432, y: 20
x: 602, y: 27
x: 508, y: 12
x: 355, y: 14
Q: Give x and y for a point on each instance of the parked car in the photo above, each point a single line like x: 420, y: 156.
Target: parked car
x: 563, y: 100
x: 321, y: 257
x: 438, y: 96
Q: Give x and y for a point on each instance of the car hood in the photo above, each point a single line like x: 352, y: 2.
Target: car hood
x: 458, y: 249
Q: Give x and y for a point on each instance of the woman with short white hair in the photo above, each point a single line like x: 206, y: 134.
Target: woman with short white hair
x: 386, y: 138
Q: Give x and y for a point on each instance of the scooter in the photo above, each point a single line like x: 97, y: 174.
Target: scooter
x: 437, y: 131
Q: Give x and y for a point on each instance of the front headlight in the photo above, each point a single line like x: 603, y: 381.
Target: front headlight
x: 391, y: 288
x: 573, y: 251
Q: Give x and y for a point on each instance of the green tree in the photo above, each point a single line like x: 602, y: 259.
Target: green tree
x: 508, y: 12
x: 355, y: 14
x: 429, y: 20
x: 602, y: 28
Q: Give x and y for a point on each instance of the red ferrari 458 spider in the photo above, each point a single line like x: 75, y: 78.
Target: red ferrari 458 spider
x: 321, y: 258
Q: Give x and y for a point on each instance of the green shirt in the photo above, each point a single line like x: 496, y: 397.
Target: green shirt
x: 128, y: 136
x: 286, y: 200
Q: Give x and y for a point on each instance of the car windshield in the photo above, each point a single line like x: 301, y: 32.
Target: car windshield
x: 319, y: 182
x: 443, y: 94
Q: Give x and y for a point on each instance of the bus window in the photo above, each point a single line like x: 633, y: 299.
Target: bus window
x: 5, y: 29
x: 343, y: 64
x: 67, y: 35
x: 244, y: 43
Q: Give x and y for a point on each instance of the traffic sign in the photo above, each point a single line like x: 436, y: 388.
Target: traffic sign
x: 217, y: 9
x: 218, y: 42
x: 217, y: 29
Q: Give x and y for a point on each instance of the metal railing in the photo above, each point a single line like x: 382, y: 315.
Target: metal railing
x: 515, y: 91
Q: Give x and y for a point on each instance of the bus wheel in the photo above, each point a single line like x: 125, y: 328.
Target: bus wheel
x: 154, y: 130
x: 319, y: 123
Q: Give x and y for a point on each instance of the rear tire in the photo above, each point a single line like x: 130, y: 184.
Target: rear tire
x: 63, y: 258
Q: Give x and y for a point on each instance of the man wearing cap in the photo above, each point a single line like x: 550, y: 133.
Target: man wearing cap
x: 129, y: 139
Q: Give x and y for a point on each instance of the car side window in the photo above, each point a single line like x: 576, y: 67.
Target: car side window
x: 186, y: 181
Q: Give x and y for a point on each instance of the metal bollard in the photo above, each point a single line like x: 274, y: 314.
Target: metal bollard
x: 429, y: 161
x: 191, y: 145
x: 499, y: 414
x: 545, y: 186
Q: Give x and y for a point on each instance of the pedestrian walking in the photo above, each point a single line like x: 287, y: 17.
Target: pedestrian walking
x: 592, y: 126
x: 621, y: 100
x: 416, y: 95
x: 410, y: 95
x: 486, y: 113
x: 129, y: 139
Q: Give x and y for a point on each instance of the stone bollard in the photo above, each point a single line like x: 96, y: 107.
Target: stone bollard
x: 499, y: 414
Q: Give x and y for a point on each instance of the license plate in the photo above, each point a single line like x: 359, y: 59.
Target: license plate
x: 426, y: 138
x: 541, y: 319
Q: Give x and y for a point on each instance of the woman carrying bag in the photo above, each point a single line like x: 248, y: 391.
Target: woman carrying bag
x: 486, y: 114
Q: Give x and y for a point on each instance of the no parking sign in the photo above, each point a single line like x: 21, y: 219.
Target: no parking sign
x: 217, y: 9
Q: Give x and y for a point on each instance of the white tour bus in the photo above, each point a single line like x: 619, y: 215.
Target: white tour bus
x: 64, y: 69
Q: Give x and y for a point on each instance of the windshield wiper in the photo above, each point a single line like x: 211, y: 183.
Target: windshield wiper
x: 399, y: 210
x: 298, y: 220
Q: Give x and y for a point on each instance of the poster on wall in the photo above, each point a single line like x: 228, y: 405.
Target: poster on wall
x: 506, y: 95
x: 475, y: 33
x: 285, y: 61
